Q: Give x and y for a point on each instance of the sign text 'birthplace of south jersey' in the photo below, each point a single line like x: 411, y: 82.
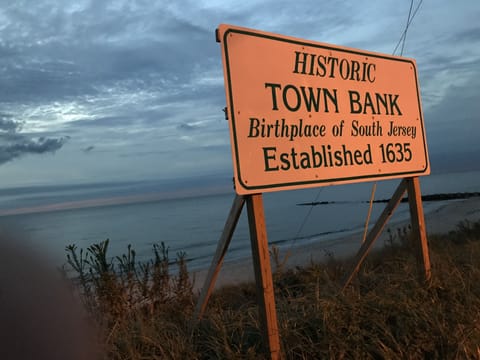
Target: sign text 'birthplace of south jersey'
x: 305, y: 114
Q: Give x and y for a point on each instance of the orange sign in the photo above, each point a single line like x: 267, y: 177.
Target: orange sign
x: 304, y: 114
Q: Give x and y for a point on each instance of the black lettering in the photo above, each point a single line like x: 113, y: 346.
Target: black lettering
x: 338, y: 158
x: 329, y: 155
x: 312, y: 63
x: 382, y: 99
x: 354, y: 73
x: 254, y: 123
x: 354, y: 131
x: 357, y: 154
x: 267, y: 157
x: 305, y: 161
x: 355, y: 105
x: 393, y: 103
x: 285, y: 162
x: 284, y: 129
x: 332, y: 98
x: 316, y: 157
x: 332, y: 62
x: 344, y: 69
x: 321, y: 69
x: 274, y: 87
x: 345, y: 154
x: 296, y: 99
x: 371, y: 77
x: 311, y: 98
x: 367, y: 155
x: 368, y: 103
x: 293, y: 131
x: 307, y: 131
x: 294, y: 159
x: 299, y: 61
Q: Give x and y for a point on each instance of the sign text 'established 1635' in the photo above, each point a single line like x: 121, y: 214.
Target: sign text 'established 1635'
x: 305, y: 114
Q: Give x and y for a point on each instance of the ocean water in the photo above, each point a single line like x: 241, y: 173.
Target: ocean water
x: 194, y: 224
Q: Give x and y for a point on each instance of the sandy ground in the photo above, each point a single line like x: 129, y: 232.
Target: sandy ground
x: 439, y: 221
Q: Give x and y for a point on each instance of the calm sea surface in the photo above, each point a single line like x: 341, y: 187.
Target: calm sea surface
x: 194, y: 224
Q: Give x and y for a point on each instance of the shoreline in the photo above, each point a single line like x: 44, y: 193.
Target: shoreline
x: 438, y: 221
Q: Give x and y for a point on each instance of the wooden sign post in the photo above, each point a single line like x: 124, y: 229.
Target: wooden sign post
x: 305, y: 114
x: 412, y: 187
x: 418, y: 226
x: 261, y: 264
x: 263, y: 274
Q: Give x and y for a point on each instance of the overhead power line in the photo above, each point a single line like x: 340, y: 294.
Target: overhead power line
x: 402, y: 40
x: 409, y: 21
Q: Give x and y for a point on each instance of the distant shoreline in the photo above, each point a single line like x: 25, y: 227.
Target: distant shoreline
x: 432, y: 197
x: 439, y: 221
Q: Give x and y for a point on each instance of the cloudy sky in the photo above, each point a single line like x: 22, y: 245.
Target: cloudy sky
x: 117, y: 90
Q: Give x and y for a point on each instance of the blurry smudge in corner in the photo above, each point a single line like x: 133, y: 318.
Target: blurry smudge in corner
x: 39, y: 316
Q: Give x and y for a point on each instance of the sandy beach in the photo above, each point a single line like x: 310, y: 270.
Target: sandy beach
x: 439, y: 221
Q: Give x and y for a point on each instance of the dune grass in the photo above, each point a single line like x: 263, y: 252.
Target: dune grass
x: 145, y: 310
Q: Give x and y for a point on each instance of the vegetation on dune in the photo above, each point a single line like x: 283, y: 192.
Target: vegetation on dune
x: 146, y: 312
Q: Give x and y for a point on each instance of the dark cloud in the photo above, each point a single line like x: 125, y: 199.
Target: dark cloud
x: 15, y: 144
x: 41, y: 145
x: 88, y: 149
x: 76, y: 54
x: 468, y: 35
x: 7, y: 124
x: 452, y: 125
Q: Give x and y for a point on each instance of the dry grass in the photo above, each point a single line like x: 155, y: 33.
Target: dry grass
x: 146, y: 313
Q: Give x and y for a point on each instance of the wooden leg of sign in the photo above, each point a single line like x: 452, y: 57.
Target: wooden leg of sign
x: 418, y: 226
x: 217, y: 261
x: 263, y: 274
x: 376, y: 231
